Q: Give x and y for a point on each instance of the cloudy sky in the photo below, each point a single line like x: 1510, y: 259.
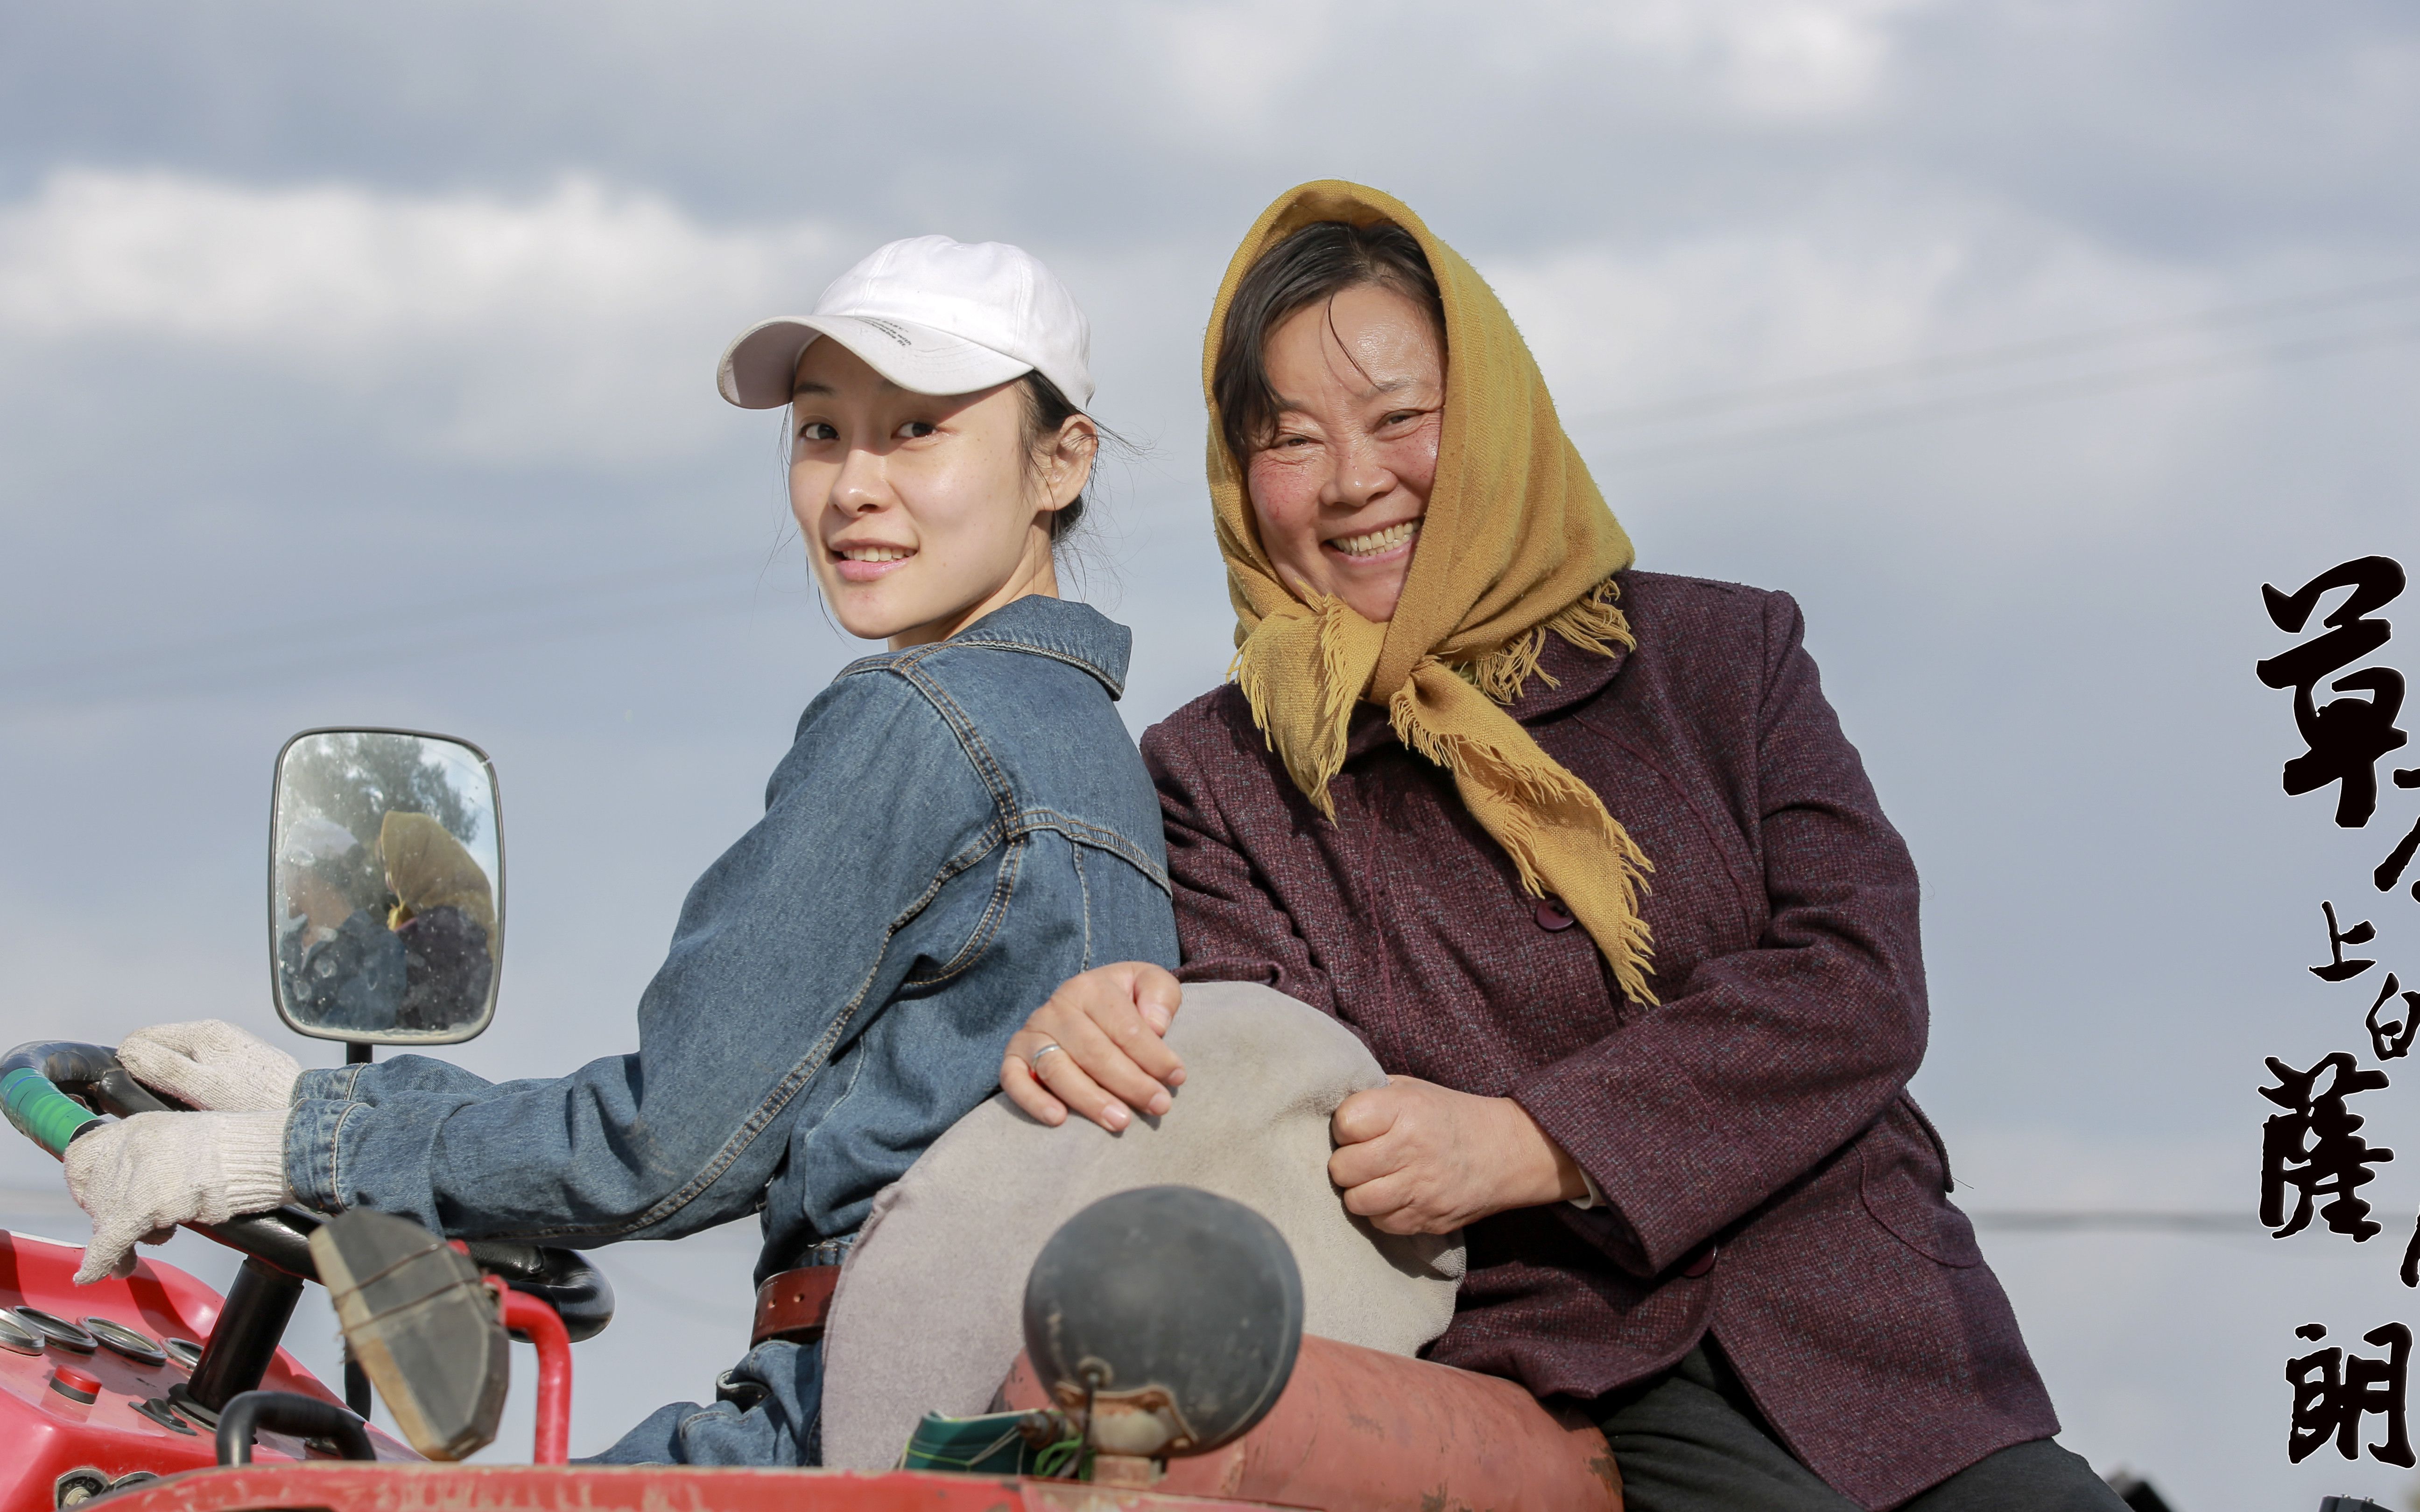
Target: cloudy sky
x: 355, y: 366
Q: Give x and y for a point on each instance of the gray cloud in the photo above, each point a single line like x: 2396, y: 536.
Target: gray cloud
x: 335, y: 341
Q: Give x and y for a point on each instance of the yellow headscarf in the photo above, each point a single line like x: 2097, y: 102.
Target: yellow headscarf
x: 1517, y: 542
x: 430, y: 869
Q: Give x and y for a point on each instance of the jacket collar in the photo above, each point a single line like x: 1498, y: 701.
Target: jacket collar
x: 1576, y: 675
x: 1060, y: 629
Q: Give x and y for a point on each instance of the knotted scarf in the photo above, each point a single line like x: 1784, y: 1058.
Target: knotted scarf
x: 1517, y: 542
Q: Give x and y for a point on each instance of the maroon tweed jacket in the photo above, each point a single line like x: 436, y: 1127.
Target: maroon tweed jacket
x: 1767, y: 1176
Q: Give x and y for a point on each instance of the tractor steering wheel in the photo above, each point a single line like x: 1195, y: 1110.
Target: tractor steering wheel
x: 52, y: 1091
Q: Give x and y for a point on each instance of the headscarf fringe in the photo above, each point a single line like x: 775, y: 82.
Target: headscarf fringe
x: 1313, y: 769
x: 1594, y: 624
x: 1551, y: 791
x: 1501, y: 673
x: 1531, y: 802
x: 1339, y: 690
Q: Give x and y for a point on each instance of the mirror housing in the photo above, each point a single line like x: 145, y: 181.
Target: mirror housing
x: 1164, y: 1320
x: 386, y: 887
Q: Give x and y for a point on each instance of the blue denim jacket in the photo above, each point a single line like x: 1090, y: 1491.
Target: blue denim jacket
x: 958, y: 828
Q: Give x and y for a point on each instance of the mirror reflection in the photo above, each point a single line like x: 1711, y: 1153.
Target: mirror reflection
x: 386, y: 887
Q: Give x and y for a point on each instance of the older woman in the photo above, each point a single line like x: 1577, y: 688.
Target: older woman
x: 1463, y: 739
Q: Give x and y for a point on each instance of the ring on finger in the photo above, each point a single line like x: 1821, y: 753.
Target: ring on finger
x: 1034, y: 1061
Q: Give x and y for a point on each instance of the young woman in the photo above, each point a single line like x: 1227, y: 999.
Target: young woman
x: 1673, y: 1123
x: 962, y: 824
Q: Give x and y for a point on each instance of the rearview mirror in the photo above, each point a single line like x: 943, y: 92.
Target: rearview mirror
x: 386, y: 887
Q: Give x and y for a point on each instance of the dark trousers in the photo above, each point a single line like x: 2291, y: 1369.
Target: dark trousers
x: 1692, y: 1441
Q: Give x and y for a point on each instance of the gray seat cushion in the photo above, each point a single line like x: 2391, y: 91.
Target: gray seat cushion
x: 926, y: 1315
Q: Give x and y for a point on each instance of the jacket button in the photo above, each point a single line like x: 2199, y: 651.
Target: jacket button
x: 1552, y: 915
x: 1703, y: 1263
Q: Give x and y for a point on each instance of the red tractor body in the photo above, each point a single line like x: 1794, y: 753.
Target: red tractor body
x: 1354, y: 1430
x: 56, y: 1449
x: 49, y: 1432
x: 427, y: 1488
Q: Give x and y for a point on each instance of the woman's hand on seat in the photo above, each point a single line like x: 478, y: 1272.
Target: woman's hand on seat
x: 1110, y: 1060
x: 1416, y: 1158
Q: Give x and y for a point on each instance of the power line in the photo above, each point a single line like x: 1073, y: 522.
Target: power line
x: 379, y: 622
x: 603, y: 603
x: 175, y: 681
x: 1785, y: 391
x: 608, y: 602
x: 2105, y: 1219
x: 2021, y: 397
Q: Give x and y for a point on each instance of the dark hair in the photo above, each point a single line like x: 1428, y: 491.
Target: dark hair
x: 1047, y: 411
x: 1310, y: 266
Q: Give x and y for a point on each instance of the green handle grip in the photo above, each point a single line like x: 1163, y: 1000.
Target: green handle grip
x: 41, y: 1112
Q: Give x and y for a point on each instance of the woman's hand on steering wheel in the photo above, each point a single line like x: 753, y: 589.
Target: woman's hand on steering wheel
x: 141, y: 1178
x: 1097, y: 1047
x: 1416, y: 1158
x: 211, y: 1064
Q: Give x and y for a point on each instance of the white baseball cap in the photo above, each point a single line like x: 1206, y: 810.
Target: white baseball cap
x: 931, y: 314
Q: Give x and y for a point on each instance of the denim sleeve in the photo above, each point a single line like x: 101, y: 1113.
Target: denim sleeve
x: 389, y: 1078
x: 781, y: 948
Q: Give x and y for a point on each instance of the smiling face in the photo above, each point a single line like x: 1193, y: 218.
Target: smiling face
x: 922, y: 514
x: 1340, y: 490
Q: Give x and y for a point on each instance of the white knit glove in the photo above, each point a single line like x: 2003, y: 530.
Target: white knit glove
x: 211, y: 1064
x: 141, y: 1178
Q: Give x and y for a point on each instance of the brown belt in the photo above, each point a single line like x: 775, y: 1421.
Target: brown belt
x: 793, y: 1305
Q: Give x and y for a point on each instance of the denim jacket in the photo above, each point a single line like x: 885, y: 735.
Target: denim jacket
x: 958, y: 828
